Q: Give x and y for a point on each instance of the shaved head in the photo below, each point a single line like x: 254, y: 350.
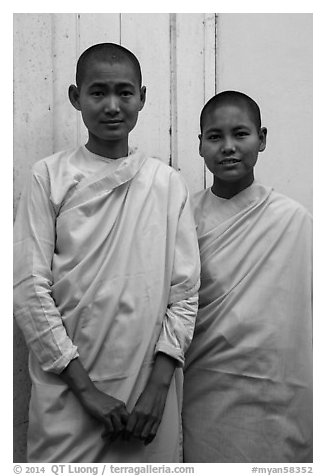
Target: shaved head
x: 235, y: 98
x: 106, y: 52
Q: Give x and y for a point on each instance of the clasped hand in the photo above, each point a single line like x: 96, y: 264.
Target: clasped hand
x: 141, y: 423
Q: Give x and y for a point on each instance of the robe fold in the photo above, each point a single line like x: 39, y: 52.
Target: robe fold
x: 248, y: 371
x: 100, y: 254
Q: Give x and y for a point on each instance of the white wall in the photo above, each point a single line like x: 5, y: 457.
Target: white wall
x: 185, y: 58
x: 269, y: 57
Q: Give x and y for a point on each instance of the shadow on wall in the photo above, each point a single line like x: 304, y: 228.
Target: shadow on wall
x: 21, y: 396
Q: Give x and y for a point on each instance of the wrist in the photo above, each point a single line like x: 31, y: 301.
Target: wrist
x: 76, y: 377
x: 160, y: 382
x: 163, y: 370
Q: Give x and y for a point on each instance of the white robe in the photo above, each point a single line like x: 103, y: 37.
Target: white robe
x: 101, y: 257
x: 248, y: 371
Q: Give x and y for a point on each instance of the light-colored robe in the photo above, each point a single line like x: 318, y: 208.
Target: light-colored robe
x: 248, y: 371
x: 102, y: 256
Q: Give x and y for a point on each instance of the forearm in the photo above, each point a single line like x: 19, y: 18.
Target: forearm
x: 41, y: 323
x: 77, y: 379
x: 103, y: 407
x: 163, y: 370
x: 146, y: 416
x: 34, y: 308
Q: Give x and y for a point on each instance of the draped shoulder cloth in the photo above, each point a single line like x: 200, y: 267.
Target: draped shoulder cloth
x: 248, y: 380
x: 101, y: 251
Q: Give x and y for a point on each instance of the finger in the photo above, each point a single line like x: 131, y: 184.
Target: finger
x: 149, y: 439
x: 108, y: 430
x: 146, y: 430
x: 152, y: 433
x: 130, y: 424
x: 118, y: 426
x: 109, y: 436
x: 140, y: 425
x: 124, y: 417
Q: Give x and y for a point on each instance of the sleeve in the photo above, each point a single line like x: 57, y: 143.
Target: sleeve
x: 178, y: 328
x: 34, y: 308
x: 179, y: 320
x: 185, y: 280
